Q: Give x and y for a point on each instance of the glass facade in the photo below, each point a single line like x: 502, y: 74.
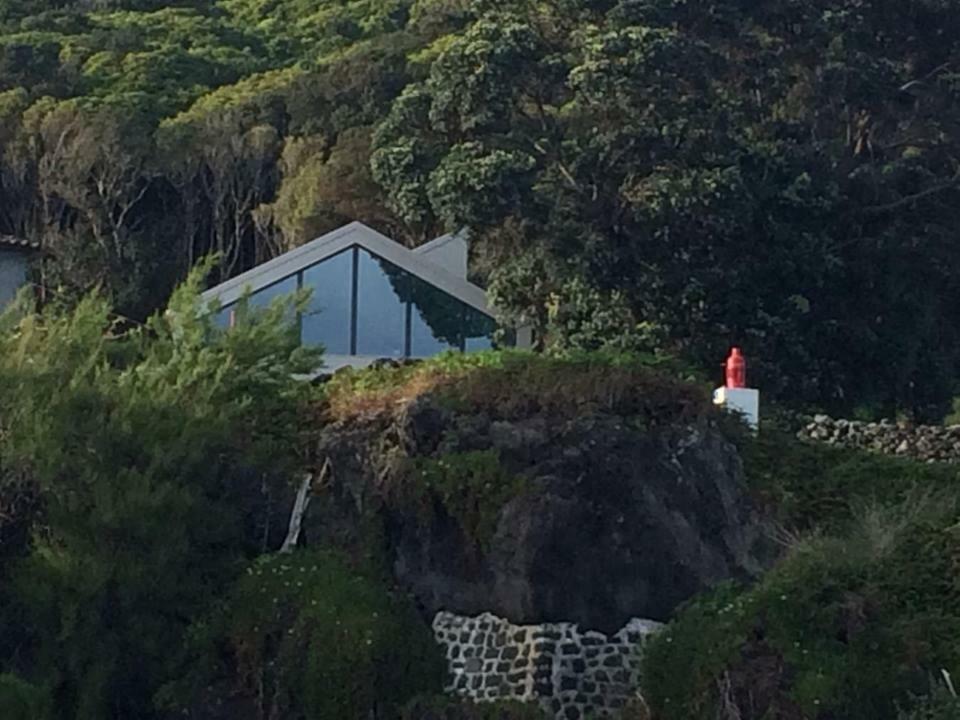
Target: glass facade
x: 435, y: 320
x: 381, y: 310
x: 327, y: 320
x: 363, y: 305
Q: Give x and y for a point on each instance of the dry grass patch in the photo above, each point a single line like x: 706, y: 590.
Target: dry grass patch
x: 513, y: 384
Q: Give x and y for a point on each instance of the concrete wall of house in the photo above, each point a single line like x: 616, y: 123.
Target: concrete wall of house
x: 13, y: 273
x: 448, y: 252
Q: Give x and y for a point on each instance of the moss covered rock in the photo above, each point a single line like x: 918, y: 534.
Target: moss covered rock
x: 591, y: 489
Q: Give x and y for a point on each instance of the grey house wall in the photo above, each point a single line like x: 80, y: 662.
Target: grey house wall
x: 449, y: 252
x: 14, y: 265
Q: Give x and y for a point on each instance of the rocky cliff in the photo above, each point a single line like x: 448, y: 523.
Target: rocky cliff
x: 583, y: 506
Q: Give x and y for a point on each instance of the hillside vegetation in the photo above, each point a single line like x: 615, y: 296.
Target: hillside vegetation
x: 858, y: 620
x: 645, y: 182
x: 657, y: 175
x: 138, y: 574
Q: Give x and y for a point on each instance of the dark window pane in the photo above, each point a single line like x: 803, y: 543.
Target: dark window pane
x: 263, y: 298
x: 478, y: 330
x: 222, y: 318
x: 327, y: 321
x: 381, y: 314
x: 435, y: 320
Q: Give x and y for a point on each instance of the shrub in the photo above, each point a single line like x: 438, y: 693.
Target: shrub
x: 941, y: 703
x: 310, y: 638
x: 808, y: 486
x: 845, y: 627
x: 19, y: 700
x: 139, y: 445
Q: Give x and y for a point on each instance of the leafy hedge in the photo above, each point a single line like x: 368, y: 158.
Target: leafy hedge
x: 308, y: 636
x: 851, y: 624
x: 133, y: 459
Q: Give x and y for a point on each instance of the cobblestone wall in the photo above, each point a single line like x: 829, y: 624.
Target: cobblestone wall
x: 569, y: 672
x: 928, y: 443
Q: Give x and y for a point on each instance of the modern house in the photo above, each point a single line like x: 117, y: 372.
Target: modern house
x: 15, y: 255
x: 373, y: 298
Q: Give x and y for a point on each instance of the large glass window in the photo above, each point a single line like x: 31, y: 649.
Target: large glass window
x: 478, y: 330
x: 435, y: 323
x: 223, y: 319
x: 327, y: 321
x: 259, y: 300
x: 263, y: 298
x: 363, y: 305
x: 381, y: 313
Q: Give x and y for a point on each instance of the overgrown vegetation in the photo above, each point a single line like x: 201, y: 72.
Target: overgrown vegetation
x: 854, y: 620
x: 662, y: 174
x: 809, y: 486
x: 310, y: 637
x: 511, y: 384
x: 941, y: 704
x: 141, y: 452
x: 471, y: 487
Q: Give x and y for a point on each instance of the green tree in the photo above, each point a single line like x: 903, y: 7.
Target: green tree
x: 774, y: 177
x: 146, y: 448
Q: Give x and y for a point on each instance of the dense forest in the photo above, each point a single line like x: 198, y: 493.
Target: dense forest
x: 654, y: 174
x: 645, y: 182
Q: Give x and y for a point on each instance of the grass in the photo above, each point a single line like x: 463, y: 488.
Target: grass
x: 851, y: 623
x: 312, y: 635
x: 513, y: 384
x: 808, y: 486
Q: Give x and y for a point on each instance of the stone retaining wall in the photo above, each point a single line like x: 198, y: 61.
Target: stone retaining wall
x: 573, y: 674
x: 928, y: 443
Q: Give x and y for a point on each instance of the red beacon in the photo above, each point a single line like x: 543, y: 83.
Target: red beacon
x: 736, y: 367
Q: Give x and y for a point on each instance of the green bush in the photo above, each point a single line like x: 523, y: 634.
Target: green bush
x: 809, y: 486
x: 142, y: 447
x: 846, y: 626
x: 311, y: 638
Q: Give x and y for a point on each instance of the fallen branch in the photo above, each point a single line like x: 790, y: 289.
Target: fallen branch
x: 300, y: 507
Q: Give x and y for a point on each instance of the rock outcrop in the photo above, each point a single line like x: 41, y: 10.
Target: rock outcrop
x: 613, y: 517
x: 927, y: 443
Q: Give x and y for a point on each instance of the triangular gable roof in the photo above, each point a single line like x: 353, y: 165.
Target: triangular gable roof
x: 328, y: 245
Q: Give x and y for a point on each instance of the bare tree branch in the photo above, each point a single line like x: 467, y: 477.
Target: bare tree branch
x: 910, y: 199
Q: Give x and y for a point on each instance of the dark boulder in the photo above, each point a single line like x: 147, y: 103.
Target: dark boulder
x: 615, y: 519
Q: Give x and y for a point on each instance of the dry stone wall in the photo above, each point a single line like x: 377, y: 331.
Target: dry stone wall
x: 928, y: 443
x: 572, y: 674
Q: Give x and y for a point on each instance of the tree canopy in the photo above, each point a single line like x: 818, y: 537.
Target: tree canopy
x: 681, y: 175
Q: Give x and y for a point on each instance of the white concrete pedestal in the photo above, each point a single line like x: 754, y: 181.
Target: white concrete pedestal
x: 745, y: 401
